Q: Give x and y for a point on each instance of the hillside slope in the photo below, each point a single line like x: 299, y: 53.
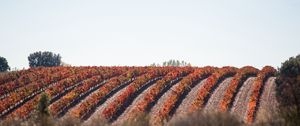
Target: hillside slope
x: 119, y: 93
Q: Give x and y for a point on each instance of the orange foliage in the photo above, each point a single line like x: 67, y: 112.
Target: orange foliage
x: 266, y: 72
x: 208, y: 85
x: 241, y: 75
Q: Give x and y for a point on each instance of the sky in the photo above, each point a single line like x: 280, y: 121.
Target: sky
x: 136, y: 32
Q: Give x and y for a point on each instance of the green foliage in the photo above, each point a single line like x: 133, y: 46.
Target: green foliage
x: 291, y: 67
x: 42, y: 107
x: 288, y: 90
x: 288, y: 83
x: 3, y: 64
x: 46, y: 59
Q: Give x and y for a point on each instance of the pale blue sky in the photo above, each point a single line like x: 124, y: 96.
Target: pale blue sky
x: 127, y: 32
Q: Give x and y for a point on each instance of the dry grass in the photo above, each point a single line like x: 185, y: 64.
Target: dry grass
x: 141, y: 120
x: 268, y: 116
x: 96, y: 122
x: 35, y: 120
x: 194, y: 119
x: 206, y: 119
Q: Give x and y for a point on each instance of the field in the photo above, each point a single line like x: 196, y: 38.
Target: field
x: 117, y: 94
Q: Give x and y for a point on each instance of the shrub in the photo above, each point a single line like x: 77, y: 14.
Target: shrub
x: 42, y: 107
x: 287, y: 90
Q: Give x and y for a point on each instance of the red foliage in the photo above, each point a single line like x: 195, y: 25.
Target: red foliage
x: 14, y: 75
x: 208, y: 85
x: 32, y: 89
x: 184, y: 84
x: 112, y: 108
x: 29, y: 106
x: 25, y: 85
x: 266, y: 72
x: 66, y: 100
x: 31, y: 77
x: 91, y: 101
x: 60, y: 86
x: 240, y: 76
x: 25, y: 110
x: 152, y: 93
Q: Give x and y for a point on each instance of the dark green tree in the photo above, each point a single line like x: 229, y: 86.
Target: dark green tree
x: 46, y: 59
x: 288, y: 90
x: 3, y: 64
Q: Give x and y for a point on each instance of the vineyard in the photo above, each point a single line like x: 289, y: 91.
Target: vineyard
x: 117, y: 94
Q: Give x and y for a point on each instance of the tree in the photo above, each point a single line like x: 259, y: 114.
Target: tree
x: 46, y: 59
x: 287, y: 90
x: 42, y: 107
x: 164, y: 63
x: 3, y: 65
x: 172, y: 63
x: 178, y: 63
x: 175, y: 63
x: 42, y: 114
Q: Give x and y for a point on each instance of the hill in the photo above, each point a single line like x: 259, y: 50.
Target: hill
x: 117, y: 94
